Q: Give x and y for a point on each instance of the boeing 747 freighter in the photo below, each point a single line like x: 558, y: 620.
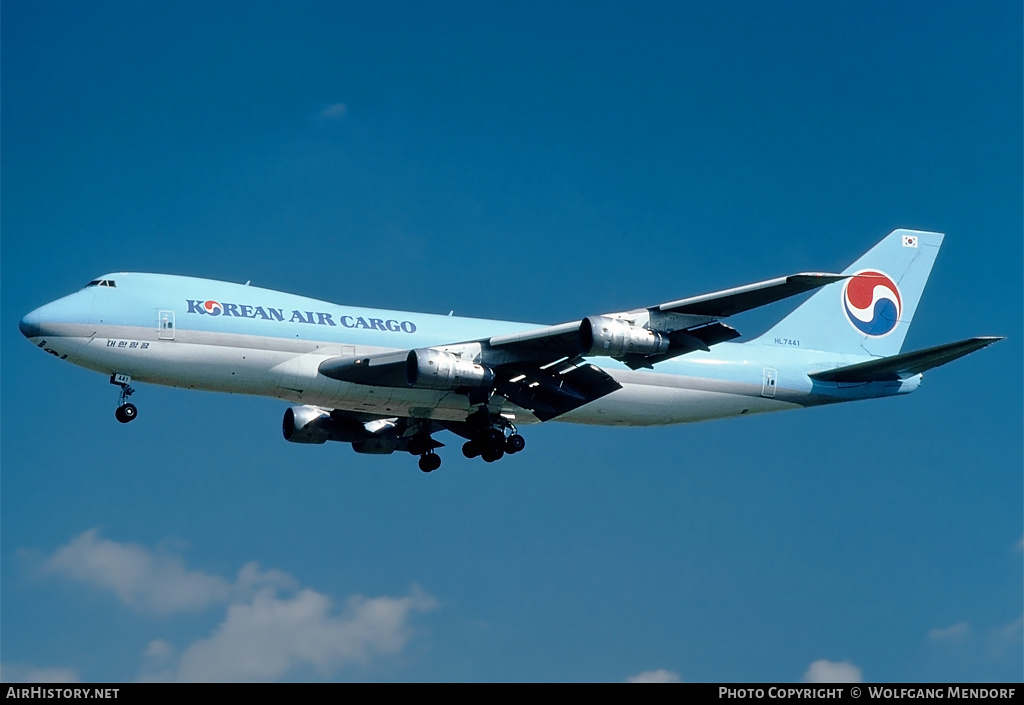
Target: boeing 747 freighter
x: 387, y: 381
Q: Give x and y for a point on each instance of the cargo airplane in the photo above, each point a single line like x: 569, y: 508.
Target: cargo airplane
x: 389, y: 380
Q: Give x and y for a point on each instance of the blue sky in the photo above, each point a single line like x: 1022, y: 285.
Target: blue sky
x: 529, y: 162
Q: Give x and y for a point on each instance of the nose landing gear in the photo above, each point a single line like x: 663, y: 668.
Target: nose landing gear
x: 126, y: 411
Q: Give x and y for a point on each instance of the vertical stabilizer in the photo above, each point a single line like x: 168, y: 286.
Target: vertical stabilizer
x: 869, y: 313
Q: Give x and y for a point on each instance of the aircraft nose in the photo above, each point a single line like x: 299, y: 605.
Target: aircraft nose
x: 29, y: 325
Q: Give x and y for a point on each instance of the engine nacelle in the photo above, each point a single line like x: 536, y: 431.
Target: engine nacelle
x: 436, y: 369
x: 376, y: 446
x: 311, y: 424
x: 600, y: 335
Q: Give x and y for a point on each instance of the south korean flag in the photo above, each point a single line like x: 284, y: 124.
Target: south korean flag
x: 910, y: 240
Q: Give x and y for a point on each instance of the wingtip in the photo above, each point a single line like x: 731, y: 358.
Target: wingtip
x: 819, y: 275
x: 815, y: 280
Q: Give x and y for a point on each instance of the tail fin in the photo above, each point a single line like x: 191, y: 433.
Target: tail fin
x: 869, y: 313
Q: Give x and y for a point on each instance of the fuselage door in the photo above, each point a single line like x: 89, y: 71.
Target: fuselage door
x: 165, y: 325
x: 769, y: 382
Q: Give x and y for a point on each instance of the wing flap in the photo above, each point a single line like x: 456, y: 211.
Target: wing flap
x: 904, y: 365
x: 548, y: 393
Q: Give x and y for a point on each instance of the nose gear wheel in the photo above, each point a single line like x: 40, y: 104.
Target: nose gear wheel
x: 126, y: 411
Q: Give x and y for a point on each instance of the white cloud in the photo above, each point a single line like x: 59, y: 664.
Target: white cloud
x: 251, y: 578
x: 271, y: 626
x: 970, y: 641
x: 266, y: 637
x: 956, y: 631
x: 158, y: 649
x: 23, y: 673
x: 658, y: 676
x: 154, y: 581
x: 143, y: 580
x: 833, y: 672
x: 1007, y: 636
x: 335, y: 111
x: 1012, y: 630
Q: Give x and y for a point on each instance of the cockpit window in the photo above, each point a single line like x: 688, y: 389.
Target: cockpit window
x: 101, y: 282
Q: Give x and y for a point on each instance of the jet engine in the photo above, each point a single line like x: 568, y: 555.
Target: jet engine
x: 311, y: 424
x: 436, y: 369
x: 601, y: 335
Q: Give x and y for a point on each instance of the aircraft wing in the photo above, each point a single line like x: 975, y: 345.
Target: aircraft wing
x: 544, y: 369
x: 721, y: 304
x: 645, y: 337
x: 549, y: 390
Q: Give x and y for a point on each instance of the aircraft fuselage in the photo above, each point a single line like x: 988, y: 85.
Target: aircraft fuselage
x: 217, y: 336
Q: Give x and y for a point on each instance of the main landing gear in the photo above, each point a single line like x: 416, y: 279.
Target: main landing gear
x: 491, y: 437
x: 423, y: 445
x: 126, y: 411
x: 491, y: 443
x: 429, y: 462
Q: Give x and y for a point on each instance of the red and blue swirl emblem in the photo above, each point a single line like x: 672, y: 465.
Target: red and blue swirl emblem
x: 872, y: 303
x: 213, y: 308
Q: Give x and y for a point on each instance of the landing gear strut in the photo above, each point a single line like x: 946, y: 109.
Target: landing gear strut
x: 126, y: 411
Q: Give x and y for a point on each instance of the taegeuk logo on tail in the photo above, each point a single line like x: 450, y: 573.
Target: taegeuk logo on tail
x: 872, y: 303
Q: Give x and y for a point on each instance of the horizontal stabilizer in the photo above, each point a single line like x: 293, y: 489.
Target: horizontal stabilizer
x: 904, y: 365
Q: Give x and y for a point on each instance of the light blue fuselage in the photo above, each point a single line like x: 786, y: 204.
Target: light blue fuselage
x: 218, y: 336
